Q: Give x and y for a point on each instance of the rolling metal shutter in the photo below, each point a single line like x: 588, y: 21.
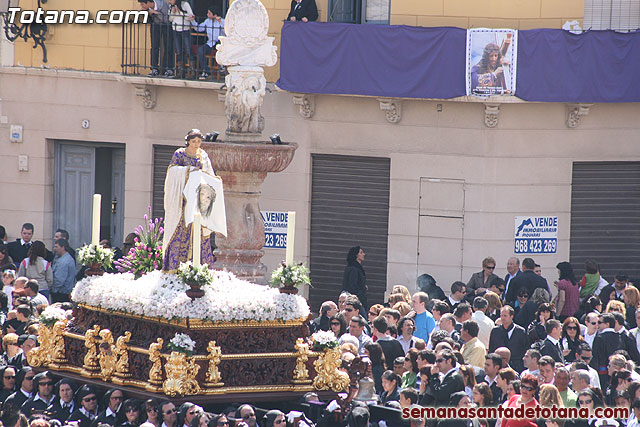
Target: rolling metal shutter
x: 349, y: 207
x: 161, y: 158
x: 605, y: 217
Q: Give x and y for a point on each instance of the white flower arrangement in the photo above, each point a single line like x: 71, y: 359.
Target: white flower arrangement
x: 95, y: 254
x: 199, y: 275
x: 182, y: 343
x: 51, y: 315
x: 323, y: 340
x: 292, y: 275
x: 157, y: 294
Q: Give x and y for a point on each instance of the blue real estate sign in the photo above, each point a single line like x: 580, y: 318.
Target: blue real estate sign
x: 275, y: 229
x: 536, y: 234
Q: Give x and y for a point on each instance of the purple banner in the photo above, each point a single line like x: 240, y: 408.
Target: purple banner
x: 419, y: 62
x: 595, y: 66
x: 375, y: 60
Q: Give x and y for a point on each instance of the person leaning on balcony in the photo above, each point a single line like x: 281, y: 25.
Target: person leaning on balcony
x: 303, y: 10
x: 214, y: 26
x: 160, y: 31
x: 181, y: 16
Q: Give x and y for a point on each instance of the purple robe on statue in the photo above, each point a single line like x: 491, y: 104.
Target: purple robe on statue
x: 179, y: 247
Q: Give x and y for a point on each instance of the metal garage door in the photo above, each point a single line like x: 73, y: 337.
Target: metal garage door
x: 349, y: 207
x: 161, y: 158
x: 605, y: 217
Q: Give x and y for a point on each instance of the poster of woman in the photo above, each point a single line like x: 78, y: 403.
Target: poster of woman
x: 491, y: 61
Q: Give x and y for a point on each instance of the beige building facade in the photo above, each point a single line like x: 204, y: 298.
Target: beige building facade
x: 461, y: 170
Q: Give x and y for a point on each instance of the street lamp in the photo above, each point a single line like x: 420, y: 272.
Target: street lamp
x: 16, y: 29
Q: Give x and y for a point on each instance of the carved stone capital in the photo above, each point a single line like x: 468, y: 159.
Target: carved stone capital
x: 491, y: 112
x: 148, y: 94
x: 307, y: 104
x: 392, y: 109
x: 575, y: 112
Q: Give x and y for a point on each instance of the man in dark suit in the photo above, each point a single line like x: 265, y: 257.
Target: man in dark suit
x: 303, y: 10
x: 492, y: 364
x: 619, y: 284
x: 18, y: 250
x: 511, y: 336
x: 321, y: 323
x: 628, y: 342
x: 450, y: 382
x: 87, y: 410
x: 112, y: 403
x: 513, y: 269
x: 43, y: 397
x: 527, y: 279
x: 551, y: 344
x: 610, y: 342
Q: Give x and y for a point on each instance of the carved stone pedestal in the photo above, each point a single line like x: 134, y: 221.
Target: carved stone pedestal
x: 243, y: 168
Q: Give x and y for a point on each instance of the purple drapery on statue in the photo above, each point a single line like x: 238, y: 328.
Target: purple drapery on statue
x: 180, y: 247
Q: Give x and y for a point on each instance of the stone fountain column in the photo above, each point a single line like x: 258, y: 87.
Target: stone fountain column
x: 243, y: 158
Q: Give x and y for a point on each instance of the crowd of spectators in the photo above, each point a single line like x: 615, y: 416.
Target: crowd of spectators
x: 491, y: 342
x: 495, y: 340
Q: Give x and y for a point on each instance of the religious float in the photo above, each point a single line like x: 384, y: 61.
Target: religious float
x: 238, y: 340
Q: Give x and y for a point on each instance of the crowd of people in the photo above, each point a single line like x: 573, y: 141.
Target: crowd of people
x: 497, y: 342
x: 491, y: 342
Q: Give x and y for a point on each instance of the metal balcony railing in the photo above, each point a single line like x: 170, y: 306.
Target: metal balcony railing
x: 159, y: 51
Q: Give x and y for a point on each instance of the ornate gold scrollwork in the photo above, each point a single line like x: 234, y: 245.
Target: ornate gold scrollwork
x: 42, y: 355
x: 122, y: 354
x: 58, y: 353
x: 301, y: 373
x: 180, y: 372
x: 213, y: 378
x: 91, y: 358
x: 329, y: 377
x: 155, y: 372
x: 107, y: 356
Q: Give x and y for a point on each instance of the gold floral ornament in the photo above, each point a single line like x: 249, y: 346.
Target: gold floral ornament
x: 214, y: 379
x: 180, y: 372
x: 58, y: 354
x: 122, y: 355
x: 301, y: 373
x: 155, y: 372
x: 328, y: 375
x: 107, y: 356
x: 40, y: 356
x: 91, y: 358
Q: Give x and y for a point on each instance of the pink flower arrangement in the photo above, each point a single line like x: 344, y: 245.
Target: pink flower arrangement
x: 146, y: 254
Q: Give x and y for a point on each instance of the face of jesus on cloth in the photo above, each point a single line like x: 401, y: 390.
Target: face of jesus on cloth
x: 206, y: 198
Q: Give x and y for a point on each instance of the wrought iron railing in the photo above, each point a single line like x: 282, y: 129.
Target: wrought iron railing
x: 151, y: 50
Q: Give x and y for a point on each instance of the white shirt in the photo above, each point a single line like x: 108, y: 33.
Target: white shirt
x: 485, y: 324
x: 452, y: 301
x: 552, y: 339
x: 65, y: 405
x: 490, y: 381
x: 589, y: 338
x: 601, y: 284
x: 213, y: 28
x: 88, y: 414
x: 535, y: 373
x: 406, y: 345
x: 594, y: 378
x: 38, y: 397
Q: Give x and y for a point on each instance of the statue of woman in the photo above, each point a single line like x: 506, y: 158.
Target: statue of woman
x: 178, y: 238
